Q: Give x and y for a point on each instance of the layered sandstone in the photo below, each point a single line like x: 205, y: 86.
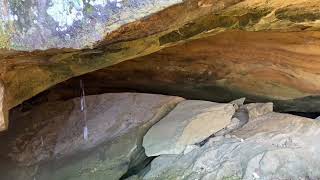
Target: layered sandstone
x: 43, y: 44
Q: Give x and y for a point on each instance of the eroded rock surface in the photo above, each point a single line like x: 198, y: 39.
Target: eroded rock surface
x: 261, y: 66
x: 272, y: 146
x: 258, y: 109
x: 70, y: 24
x: 47, y: 141
x: 51, y: 144
x: 189, y: 123
x: 78, y: 37
x: 239, y: 119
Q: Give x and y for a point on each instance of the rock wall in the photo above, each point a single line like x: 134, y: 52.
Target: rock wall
x: 262, y: 66
x: 78, y: 37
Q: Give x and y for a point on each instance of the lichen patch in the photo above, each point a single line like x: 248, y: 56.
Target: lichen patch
x: 66, y: 12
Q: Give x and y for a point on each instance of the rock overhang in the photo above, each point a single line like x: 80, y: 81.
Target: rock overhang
x: 123, y: 30
x: 70, y: 24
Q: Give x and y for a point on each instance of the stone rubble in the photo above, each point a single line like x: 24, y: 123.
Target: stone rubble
x: 188, y: 139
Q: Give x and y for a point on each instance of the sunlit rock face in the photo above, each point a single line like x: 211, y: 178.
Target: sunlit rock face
x: 77, y: 37
x: 76, y: 24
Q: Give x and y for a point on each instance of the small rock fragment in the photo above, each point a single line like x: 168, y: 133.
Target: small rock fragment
x: 258, y: 109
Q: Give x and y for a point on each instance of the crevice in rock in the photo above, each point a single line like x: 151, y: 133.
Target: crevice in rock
x: 69, y: 89
x: 239, y: 119
x: 139, y: 169
x: 311, y: 115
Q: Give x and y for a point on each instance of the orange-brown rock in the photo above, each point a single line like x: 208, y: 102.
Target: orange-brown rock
x: 263, y: 66
x: 88, y: 41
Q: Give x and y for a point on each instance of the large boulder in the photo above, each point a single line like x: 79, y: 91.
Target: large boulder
x: 191, y: 122
x: 272, y: 146
x: 52, y: 144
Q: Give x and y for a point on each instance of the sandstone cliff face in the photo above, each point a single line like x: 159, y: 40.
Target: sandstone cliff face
x: 262, y: 66
x: 76, y: 37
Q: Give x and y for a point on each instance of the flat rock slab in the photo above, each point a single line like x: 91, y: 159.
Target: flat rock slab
x: 116, y: 125
x: 190, y: 122
x: 272, y: 146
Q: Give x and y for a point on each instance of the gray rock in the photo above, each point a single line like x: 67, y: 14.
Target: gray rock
x: 189, y: 123
x: 134, y: 177
x: 258, y: 109
x: 244, y: 113
x: 239, y: 119
x: 33, y: 25
x: 190, y: 148
x: 238, y: 102
x: 116, y: 123
x: 272, y: 146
